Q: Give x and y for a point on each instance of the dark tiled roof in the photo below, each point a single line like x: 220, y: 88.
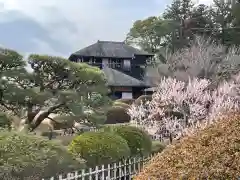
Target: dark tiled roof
x: 110, y: 49
x: 117, y: 78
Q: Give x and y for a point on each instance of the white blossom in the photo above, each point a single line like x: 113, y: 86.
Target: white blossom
x: 198, y: 106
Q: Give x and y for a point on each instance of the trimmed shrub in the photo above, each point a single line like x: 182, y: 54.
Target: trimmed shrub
x: 143, y: 99
x: 212, y: 153
x: 98, y: 148
x: 117, y: 115
x: 120, y: 104
x: 30, y: 157
x: 157, y: 147
x: 126, y: 101
x: 5, y: 120
x: 138, y: 140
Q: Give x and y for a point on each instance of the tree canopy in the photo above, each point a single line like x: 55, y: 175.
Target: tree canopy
x: 182, y: 20
x: 50, y: 85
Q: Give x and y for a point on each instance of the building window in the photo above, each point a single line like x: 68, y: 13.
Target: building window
x: 80, y: 60
x: 92, y: 61
x: 127, y: 95
x: 104, y: 62
x: 127, y: 64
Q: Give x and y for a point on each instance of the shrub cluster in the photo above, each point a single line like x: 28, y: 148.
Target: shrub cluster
x: 30, y: 157
x: 121, y: 104
x: 143, y: 99
x: 110, y: 144
x: 5, y: 120
x: 99, y: 148
x: 117, y: 114
x: 138, y: 140
x: 126, y: 101
x: 212, y: 153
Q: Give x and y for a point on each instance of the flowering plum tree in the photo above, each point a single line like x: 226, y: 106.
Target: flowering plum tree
x: 181, y: 108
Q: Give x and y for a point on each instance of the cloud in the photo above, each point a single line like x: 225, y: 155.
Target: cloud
x: 61, y: 27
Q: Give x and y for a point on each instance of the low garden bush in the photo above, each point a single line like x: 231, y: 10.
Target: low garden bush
x: 157, y: 147
x: 5, y: 120
x: 98, y: 148
x: 31, y: 157
x: 138, y: 140
x: 212, y: 153
x: 117, y: 115
x: 143, y: 99
x: 126, y: 101
x: 121, y: 104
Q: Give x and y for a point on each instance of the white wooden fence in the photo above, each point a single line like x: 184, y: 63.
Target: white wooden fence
x: 124, y: 170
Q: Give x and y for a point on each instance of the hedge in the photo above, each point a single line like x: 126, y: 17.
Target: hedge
x: 121, y: 104
x: 126, y: 101
x: 138, y: 140
x: 98, y: 148
x: 5, y: 120
x: 117, y: 115
x: 212, y: 153
x: 143, y: 99
x: 157, y: 147
x: 32, y: 157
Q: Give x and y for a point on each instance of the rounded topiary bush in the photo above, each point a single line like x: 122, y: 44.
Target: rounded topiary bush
x: 126, y: 101
x: 143, y: 98
x: 138, y: 140
x: 212, y: 153
x: 30, y: 157
x: 117, y: 115
x: 121, y: 104
x: 5, y: 120
x: 98, y: 148
x: 157, y: 147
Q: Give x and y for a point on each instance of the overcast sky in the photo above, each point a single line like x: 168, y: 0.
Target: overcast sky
x: 60, y: 27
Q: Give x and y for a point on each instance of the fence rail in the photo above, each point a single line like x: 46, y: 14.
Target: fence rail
x: 123, y: 170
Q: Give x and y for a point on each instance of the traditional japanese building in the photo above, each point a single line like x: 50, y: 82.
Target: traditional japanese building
x: 123, y: 65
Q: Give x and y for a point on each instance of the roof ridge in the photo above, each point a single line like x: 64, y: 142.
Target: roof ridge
x: 115, y: 42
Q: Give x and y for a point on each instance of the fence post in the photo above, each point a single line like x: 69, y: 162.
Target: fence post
x: 90, y: 174
x: 120, y: 170
x: 139, y: 164
x: 115, y: 171
x: 83, y: 174
x: 103, y: 172
x: 125, y: 169
x: 96, y: 173
x: 109, y: 171
x: 130, y: 168
x: 134, y: 165
x: 60, y: 177
x: 76, y: 175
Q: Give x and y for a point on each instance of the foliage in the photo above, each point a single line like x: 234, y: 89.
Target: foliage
x: 181, y: 108
x: 138, y: 140
x: 157, y: 147
x: 181, y: 21
x: 211, y: 154
x: 121, y: 104
x: 31, y: 157
x: 5, y: 120
x: 117, y: 115
x: 148, y: 33
x: 99, y: 148
x: 55, y: 85
x: 126, y: 101
x: 143, y: 99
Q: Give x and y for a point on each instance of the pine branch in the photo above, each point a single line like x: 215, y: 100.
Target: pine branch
x: 42, y: 115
